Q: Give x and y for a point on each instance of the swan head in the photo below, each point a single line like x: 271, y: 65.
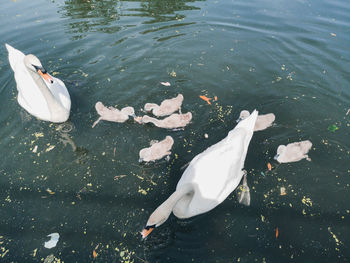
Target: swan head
x: 157, y: 218
x: 243, y: 115
x: 33, y: 64
x: 128, y: 111
x: 150, y: 106
x: 280, y: 150
x: 146, y: 119
x: 187, y: 116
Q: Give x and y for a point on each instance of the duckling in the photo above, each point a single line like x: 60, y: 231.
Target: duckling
x: 167, y: 107
x: 262, y: 122
x: 113, y: 114
x: 172, y: 122
x: 157, y: 150
x: 293, y: 152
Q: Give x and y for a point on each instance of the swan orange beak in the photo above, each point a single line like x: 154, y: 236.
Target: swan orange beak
x: 45, y: 76
x: 146, y: 231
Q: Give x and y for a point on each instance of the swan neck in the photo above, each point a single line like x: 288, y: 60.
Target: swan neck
x: 169, y: 204
x: 53, y: 105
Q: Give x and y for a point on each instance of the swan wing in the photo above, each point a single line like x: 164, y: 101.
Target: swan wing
x: 60, y: 92
x: 217, y: 171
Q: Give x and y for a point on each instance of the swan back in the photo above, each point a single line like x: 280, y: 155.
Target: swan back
x: 216, y: 172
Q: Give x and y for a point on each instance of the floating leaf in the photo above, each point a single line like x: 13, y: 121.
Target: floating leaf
x: 333, y: 128
x: 269, y: 166
x: 205, y: 99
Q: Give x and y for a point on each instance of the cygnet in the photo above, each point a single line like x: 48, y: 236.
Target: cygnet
x: 157, y: 150
x: 262, y: 122
x: 293, y: 152
x: 172, y: 122
x: 112, y: 114
x: 167, y: 107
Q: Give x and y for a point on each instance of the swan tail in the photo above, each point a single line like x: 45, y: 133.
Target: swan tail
x: 249, y: 122
x: 15, y: 56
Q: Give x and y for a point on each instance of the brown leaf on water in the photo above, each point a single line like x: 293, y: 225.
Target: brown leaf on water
x: 205, y: 99
x: 269, y: 166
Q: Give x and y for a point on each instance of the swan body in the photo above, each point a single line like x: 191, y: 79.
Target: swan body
x: 174, y: 121
x: 293, y: 152
x: 39, y: 93
x: 210, y: 177
x: 262, y: 122
x: 167, y: 107
x: 112, y: 114
x: 157, y: 150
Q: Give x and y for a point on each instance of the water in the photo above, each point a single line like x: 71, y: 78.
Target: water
x: 287, y: 57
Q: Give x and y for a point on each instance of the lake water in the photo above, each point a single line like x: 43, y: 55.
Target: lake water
x: 291, y: 58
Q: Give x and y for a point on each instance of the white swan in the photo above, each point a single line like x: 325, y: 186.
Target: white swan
x: 210, y: 177
x: 39, y: 93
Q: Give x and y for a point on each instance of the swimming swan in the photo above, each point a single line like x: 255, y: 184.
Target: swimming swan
x: 174, y: 121
x: 157, y: 150
x: 112, y: 114
x: 210, y: 177
x: 39, y: 93
x: 167, y: 107
x: 262, y: 122
x: 293, y: 152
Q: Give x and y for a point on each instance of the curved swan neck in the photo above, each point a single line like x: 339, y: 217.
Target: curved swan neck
x: 148, y: 119
x: 161, y: 214
x: 177, y: 195
x: 53, y: 105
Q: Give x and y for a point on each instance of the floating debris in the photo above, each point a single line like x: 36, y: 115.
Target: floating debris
x: 205, y: 99
x: 333, y: 128
x: 35, y: 149
x: 49, y: 191
x: 276, y: 232
x: 50, y: 148
x: 283, y: 191
x: 337, y: 241
x: 165, y: 84
x: 306, y: 201
x: 173, y: 74
x: 119, y: 176
x: 269, y: 166
x: 206, y: 135
x: 53, y: 241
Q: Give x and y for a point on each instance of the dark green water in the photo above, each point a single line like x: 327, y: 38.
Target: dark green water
x: 287, y: 57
